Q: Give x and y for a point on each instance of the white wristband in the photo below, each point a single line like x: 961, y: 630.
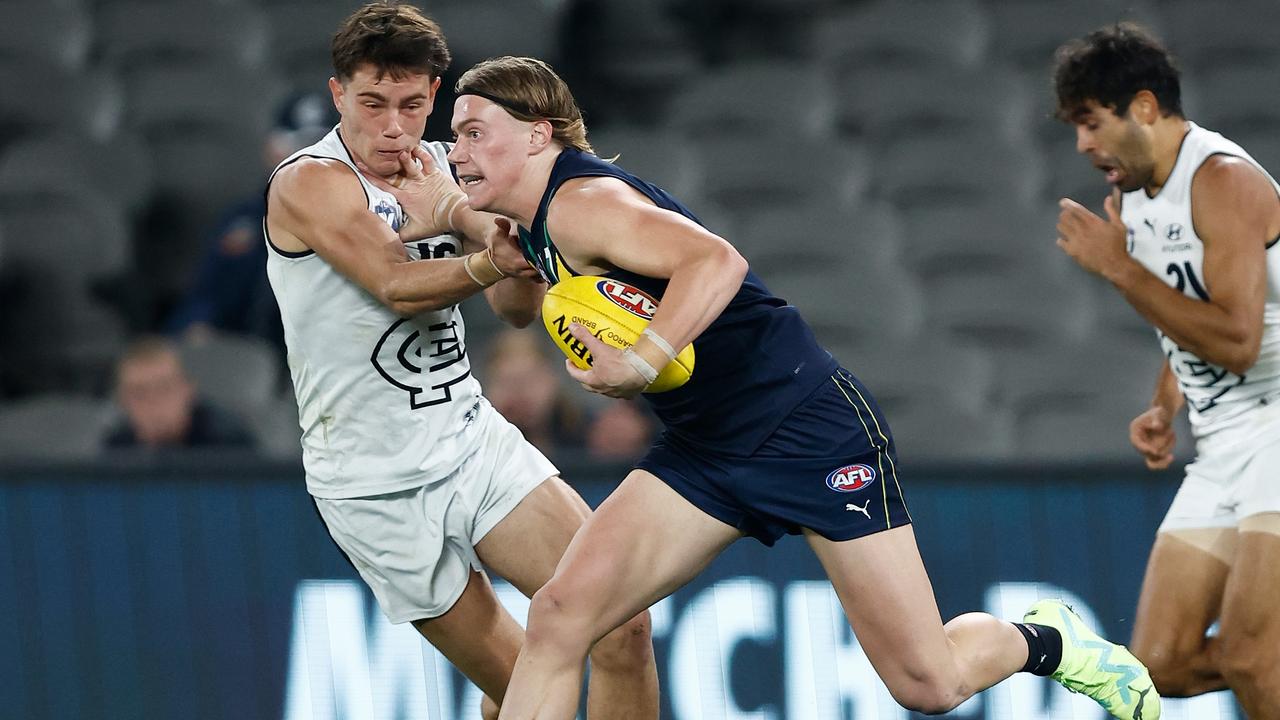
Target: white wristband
x: 640, y: 365
x: 660, y: 341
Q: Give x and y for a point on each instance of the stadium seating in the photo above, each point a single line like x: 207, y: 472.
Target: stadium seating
x: 53, y: 427
x: 743, y: 173
x: 775, y: 100
x: 85, y: 102
x: 863, y: 239
x: 924, y: 369
x: 907, y: 103
x: 58, y: 34
x: 135, y: 33
x: 238, y: 373
x: 892, y: 168
x: 1025, y: 33
x: 894, y: 33
x: 1209, y: 36
x: 118, y: 169
x: 56, y: 334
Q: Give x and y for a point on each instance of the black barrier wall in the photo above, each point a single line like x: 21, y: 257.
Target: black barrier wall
x: 209, y: 589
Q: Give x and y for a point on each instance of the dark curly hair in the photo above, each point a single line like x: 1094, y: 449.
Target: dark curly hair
x: 1110, y: 66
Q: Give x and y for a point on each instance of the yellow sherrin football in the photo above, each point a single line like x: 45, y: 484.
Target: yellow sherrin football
x: 613, y: 311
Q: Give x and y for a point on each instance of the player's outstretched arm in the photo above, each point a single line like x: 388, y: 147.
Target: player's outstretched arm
x: 320, y: 204
x: 433, y: 203
x: 517, y: 299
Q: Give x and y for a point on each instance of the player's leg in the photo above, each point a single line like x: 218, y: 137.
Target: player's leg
x: 886, y: 594
x: 858, y: 526
x: 1250, y: 630
x: 410, y: 549
x: 1187, y: 573
x: 525, y: 548
x: 642, y: 543
x: 876, y: 571
x: 478, y: 636
x: 1181, y: 597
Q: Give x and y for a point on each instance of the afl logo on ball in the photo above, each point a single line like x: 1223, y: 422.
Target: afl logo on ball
x: 637, y: 302
x: 851, y: 478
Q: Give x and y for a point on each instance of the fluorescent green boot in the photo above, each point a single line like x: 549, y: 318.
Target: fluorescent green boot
x: 1103, y: 670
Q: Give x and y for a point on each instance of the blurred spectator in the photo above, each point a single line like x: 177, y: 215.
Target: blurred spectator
x: 161, y: 406
x: 524, y: 384
x: 622, y: 430
x: 230, y: 291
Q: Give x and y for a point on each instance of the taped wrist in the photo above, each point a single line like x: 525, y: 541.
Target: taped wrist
x: 481, y: 268
x: 653, y: 349
x: 446, y: 208
x: 660, y: 341
x: 640, y: 365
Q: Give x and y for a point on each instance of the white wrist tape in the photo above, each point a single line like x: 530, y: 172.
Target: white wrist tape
x: 640, y: 365
x: 660, y: 341
x: 451, y: 202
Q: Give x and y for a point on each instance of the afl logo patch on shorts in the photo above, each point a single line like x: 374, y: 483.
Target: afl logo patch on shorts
x: 851, y: 478
x: 633, y: 300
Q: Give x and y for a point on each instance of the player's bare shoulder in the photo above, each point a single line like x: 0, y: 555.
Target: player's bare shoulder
x: 584, y: 202
x: 581, y: 193
x: 1231, y: 185
x: 589, y: 214
x: 310, y: 192
x: 1222, y: 171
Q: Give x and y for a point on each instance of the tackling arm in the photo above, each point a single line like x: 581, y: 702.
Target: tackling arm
x: 320, y: 203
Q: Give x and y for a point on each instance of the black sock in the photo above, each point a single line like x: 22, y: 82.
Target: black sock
x: 1044, y: 648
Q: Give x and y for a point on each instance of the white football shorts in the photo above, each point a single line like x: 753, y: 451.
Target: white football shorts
x: 416, y: 548
x: 1236, y: 474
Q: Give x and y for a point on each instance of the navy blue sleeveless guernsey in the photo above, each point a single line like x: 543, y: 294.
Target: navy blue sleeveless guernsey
x: 752, y: 365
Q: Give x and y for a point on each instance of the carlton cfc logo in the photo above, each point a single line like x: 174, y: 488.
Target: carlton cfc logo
x: 851, y: 478
x: 633, y: 300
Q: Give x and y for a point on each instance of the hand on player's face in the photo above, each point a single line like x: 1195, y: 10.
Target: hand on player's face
x: 427, y: 194
x: 1153, y: 435
x: 1096, y: 244
x: 505, y: 243
x: 610, y: 374
x: 383, y: 114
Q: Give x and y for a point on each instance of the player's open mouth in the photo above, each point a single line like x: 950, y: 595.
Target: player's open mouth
x: 470, y: 180
x: 1112, y: 172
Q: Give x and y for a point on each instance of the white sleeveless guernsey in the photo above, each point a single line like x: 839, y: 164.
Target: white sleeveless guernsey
x: 1162, y: 236
x: 385, y: 403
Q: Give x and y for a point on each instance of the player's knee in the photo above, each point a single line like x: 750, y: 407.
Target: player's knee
x: 929, y: 695
x: 1247, y: 659
x: 554, y: 619
x: 1169, y: 668
x: 625, y: 648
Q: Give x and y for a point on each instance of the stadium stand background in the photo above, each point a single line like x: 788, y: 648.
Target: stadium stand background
x: 889, y: 167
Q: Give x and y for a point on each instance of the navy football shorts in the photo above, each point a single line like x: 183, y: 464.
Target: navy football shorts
x: 830, y: 467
